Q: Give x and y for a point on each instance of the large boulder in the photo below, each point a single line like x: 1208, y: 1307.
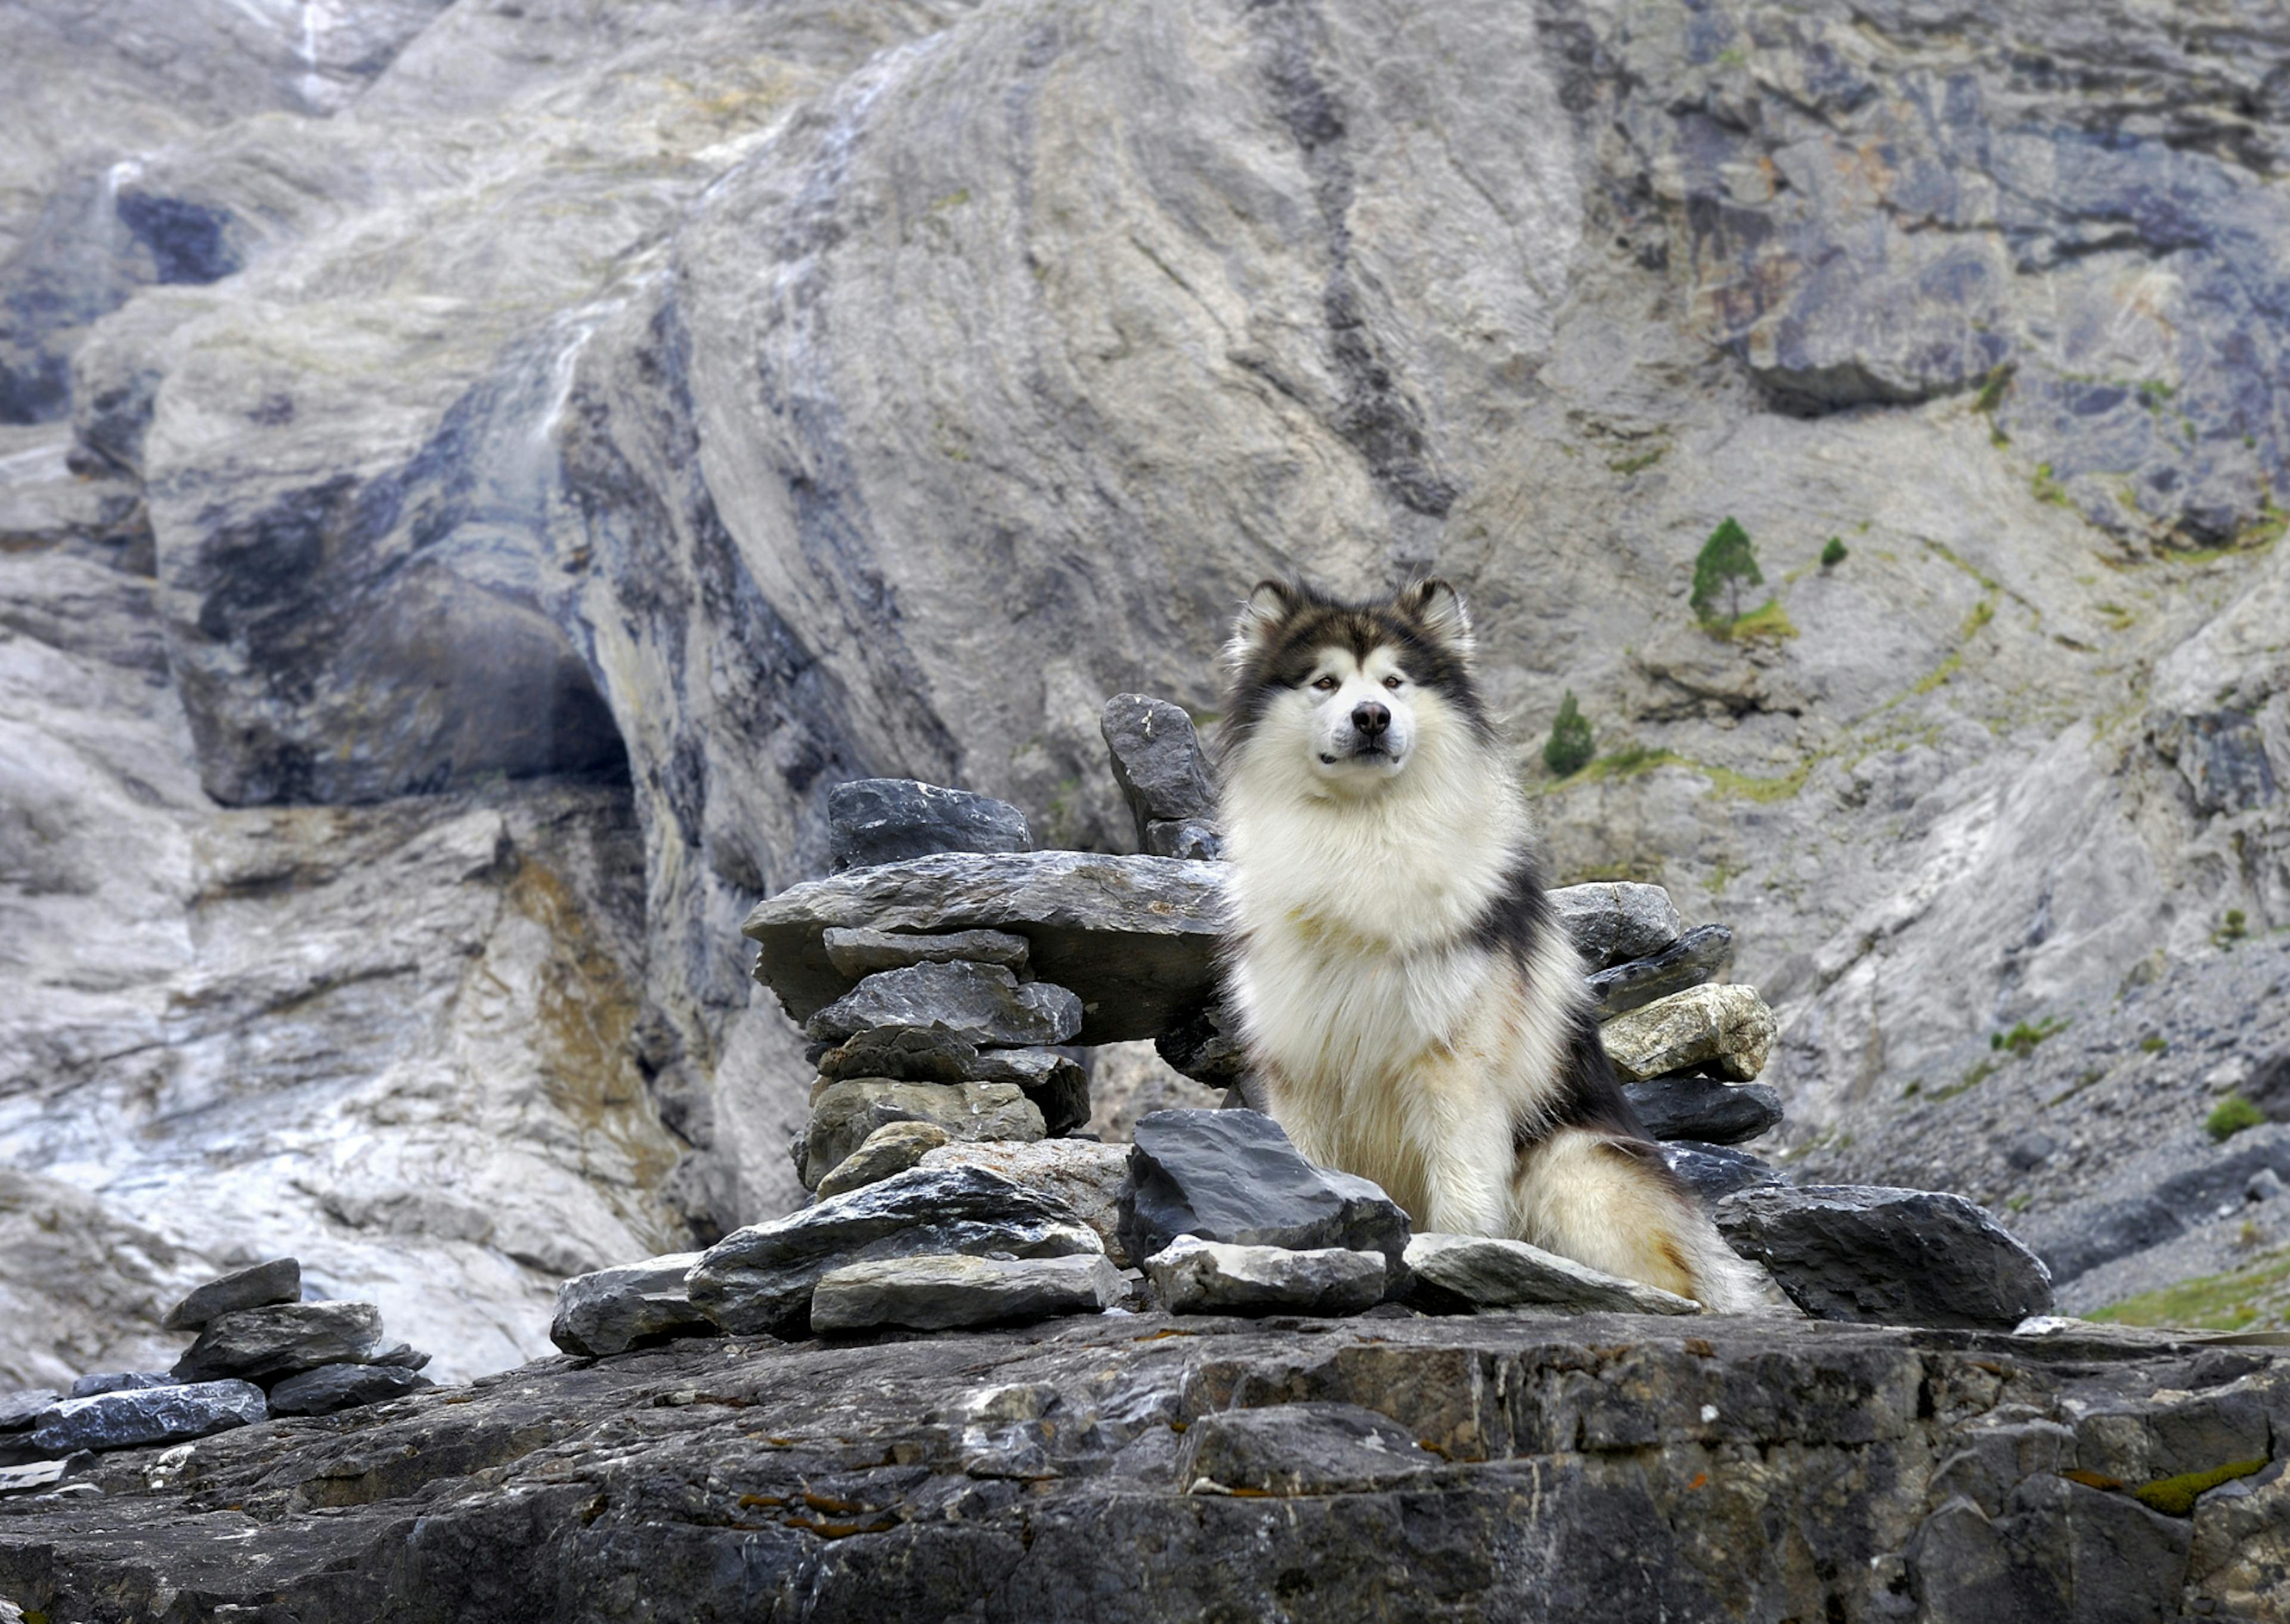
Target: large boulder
x: 1134, y: 937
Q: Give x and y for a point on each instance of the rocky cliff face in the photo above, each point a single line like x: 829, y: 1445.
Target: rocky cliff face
x: 566, y: 441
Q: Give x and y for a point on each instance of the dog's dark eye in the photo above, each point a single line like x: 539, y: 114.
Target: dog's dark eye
x: 1328, y: 684
x: 1391, y: 681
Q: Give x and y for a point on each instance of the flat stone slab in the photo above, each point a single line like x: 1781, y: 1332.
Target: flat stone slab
x: 760, y: 1278
x: 279, y: 1280
x: 1473, y: 1274
x: 258, y: 1344
x: 1716, y: 1170
x: 1192, y: 1275
x: 148, y: 1415
x: 873, y: 820
x: 1688, y: 962
x: 19, y: 1410
x: 1053, y: 1081
x: 1314, y: 1448
x: 890, y: 1149
x: 119, y: 1381
x: 1612, y: 922
x: 983, y: 1004
x: 940, y: 1293
x: 1886, y: 1256
x: 1134, y: 937
x: 612, y: 1310
x: 1727, y: 1029
x: 844, y: 1114
x: 1082, y: 1173
x: 331, y: 1389
x: 1232, y: 1176
x: 863, y: 951
x: 1704, y: 1109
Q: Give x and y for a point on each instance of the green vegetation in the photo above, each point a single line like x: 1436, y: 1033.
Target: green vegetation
x: 1768, y: 621
x: 1972, y: 1079
x: 2232, y: 929
x: 2176, y: 1496
x: 2047, y: 489
x: 2154, y: 1043
x: 2230, y: 1115
x: 1631, y: 465
x: 2230, y: 1302
x: 1570, y: 746
x: 1725, y: 566
x: 1833, y: 555
x: 2023, y: 1038
x: 1991, y: 396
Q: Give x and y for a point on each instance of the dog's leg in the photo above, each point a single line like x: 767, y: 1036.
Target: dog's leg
x: 1465, y: 1149
x: 1583, y: 1197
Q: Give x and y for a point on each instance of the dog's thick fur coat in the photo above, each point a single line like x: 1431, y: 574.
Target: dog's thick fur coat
x: 1405, y: 992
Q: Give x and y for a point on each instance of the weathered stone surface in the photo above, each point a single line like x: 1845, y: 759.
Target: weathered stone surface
x: 863, y: 951
x: 1727, y: 1029
x: 876, y: 821
x: 1613, y: 923
x: 1691, y: 960
x: 1891, y: 1256
x: 1713, y: 1171
x: 333, y: 1388
x: 1193, y: 839
x: 1699, y: 1108
x: 148, y: 1415
x: 844, y: 1114
x: 1053, y: 1081
x: 610, y: 1310
x: 1201, y: 1046
x: 1232, y: 1176
x: 18, y: 1410
x: 280, y: 1280
x: 1157, y: 761
x: 32, y: 1476
x: 760, y: 1278
x: 1520, y: 1466
x: 891, y: 1148
x: 1081, y: 1173
x: 1472, y: 1274
x: 1134, y: 937
x: 1192, y: 1275
x: 257, y: 1344
x: 2058, y: 1549
x: 937, y: 1293
x: 119, y: 1381
x: 2238, y: 1552
x: 981, y: 1004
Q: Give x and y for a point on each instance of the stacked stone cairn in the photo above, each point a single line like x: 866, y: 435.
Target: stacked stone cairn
x: 943, y: 971
x: 260, y: 1351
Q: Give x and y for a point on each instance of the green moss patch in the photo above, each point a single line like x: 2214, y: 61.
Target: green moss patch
x: 2176, y: 1496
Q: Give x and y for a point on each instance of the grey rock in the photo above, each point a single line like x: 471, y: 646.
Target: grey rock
x: 760, y: 1278
x: 935, y: 1293
x: 844, y: 1114
x: 401, y: 1355
x: 1612, y: 924
x: 1193, y: 840
x: 148, y: 1415
x: 1691, y: 960
x: 279, y: 1280
x: 891, y: 1148
x: 119, y: 1381
x: 1232, y: 1176
x: 1053, y: 1081
x: 1201, y: 1046
x: 861, y: 952
x: 1081, y: 1174
x: 981, y: 1004
x: 2058, y: 1552
x: 258, y: 1344
x: 2143, y: 1208
x: 1311, y: 1448
x: 2264, y: 1185
x: 1157, y: 761
x: 2031, y: 1150
x: 18, y: 1410
x: 873, y: 820
x: 333, y: 1388
x: 1704, y: 1109
x: 611, y: 1310
x: 1727, y: 1029
x: 1886, y: 1256
x: 1192, y: 1275
x: 1713, y: 1171
x: 1134, y: 937
x: 2221, y: 755
x: 34, y: 1475
x: 1472, y: 1274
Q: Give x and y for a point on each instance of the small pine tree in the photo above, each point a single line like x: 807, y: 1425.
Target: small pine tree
x: 1833, y: 554
x: 1569, y: 748
x: 1727, y: 564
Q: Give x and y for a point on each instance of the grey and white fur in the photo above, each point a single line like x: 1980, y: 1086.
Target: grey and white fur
x: 1405, y: 992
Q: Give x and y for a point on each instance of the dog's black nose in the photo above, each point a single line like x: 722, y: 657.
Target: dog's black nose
x: 1370, y: 719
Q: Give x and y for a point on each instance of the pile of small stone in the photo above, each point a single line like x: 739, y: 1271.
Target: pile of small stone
x: 260, y: 1351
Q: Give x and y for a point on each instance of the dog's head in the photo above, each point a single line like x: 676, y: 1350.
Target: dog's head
x: 1351, y: 694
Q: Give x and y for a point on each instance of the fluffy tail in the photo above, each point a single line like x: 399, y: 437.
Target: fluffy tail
x: 1611, y: 1204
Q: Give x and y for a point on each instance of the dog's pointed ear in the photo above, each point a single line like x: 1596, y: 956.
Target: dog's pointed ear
x: 1270, y: 606
x: 1439, y: 609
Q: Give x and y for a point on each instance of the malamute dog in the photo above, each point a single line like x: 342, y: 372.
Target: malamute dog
x: 1404, y: 989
